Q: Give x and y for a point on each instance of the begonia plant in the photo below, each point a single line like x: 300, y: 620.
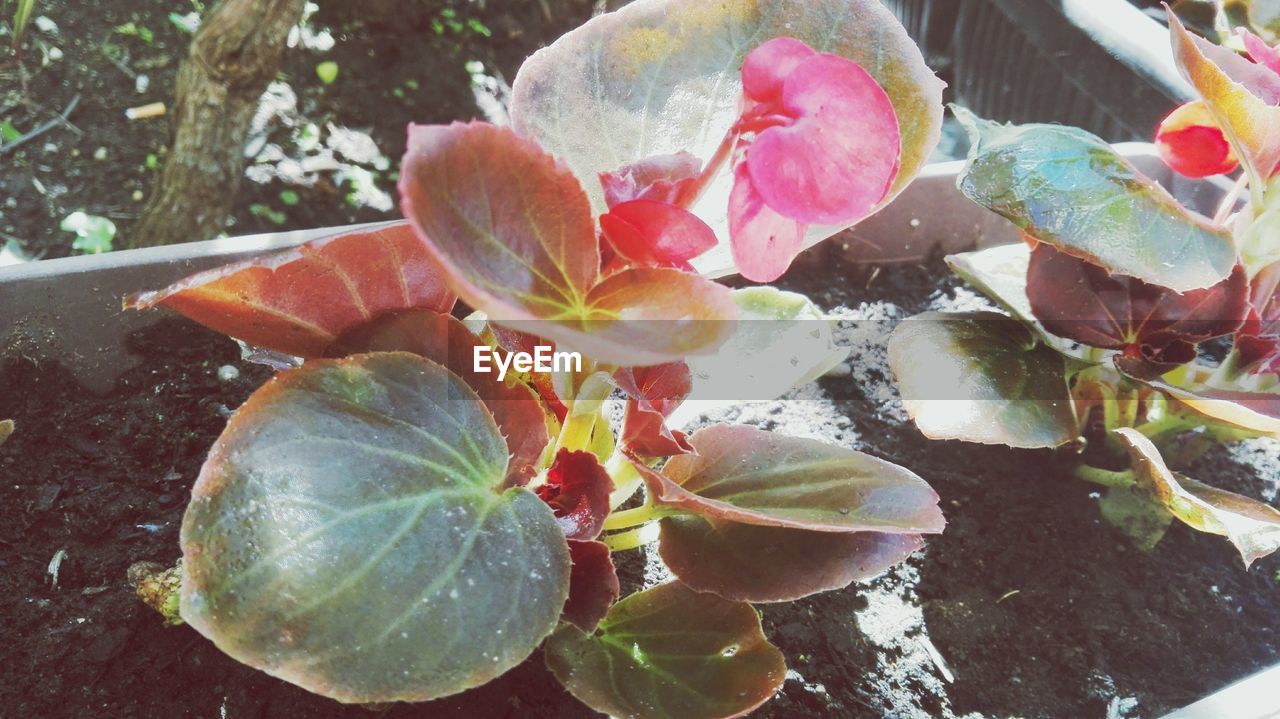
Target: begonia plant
x: 389, y: 521
x: 1136, y: 334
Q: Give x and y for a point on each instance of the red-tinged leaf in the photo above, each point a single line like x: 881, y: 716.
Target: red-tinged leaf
x: 350, y: 534
x: 543, y: 383
x: 764, y: 242
x: 835, y: 157
x: 752, y: 563
x: 1260, y: 52
x: 1192, y: 144
x: 301, y: 300
x: 1081, y: 301
x: 661, y: 178
x: 744, y: 474
x: 653, y: 393
x: 649, y: 233
x: 1252, y: 526
x: 1244, y: 98
x: 670, y: 652
x: 593, y: 585
x: 577, y: 489
x: 509, y: 223
x: 443, y: 339
x: 512, y: 228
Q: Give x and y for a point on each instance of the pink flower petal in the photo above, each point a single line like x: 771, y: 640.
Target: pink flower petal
x: 763, y: 241
x: 660, y: 178
x: 839, y: 158
x: 765, y: 69
x: 1260, y: 52
x: 655, y: 234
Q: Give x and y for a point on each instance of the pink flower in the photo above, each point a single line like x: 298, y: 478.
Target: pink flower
x: 819, y: 145
x: 1260, y: 52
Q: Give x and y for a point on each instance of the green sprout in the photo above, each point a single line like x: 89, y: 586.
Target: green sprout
x: 327, y: 72
x: 94, y: 234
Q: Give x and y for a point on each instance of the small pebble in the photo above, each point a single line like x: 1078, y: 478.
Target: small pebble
x: 100, y: 154
x: 227, y: 373
x: 137, y: 195
x: 141, y: 84
x: 46, y: 25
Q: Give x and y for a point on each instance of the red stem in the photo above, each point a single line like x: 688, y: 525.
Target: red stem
x: 692, y: 192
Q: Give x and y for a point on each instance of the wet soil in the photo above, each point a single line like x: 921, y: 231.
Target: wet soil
x: 1038, y: 607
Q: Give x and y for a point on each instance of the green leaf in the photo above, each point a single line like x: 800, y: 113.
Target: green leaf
x: 513, y: 230
x: 349, y: 533
x: 1253, y: 527
x: 8, y: 133
x: 670, y: 652
x: 744, y: 474
x: 753, y: 563
x: 1243, y: 97
x: 782, y: 341
x: 94, y: 234
x: 441, y: 338
x: 1001, y: 273
x: 1135, y: 513
x: 981, y: 377
x: 1070, y: 189
x: 663, y: 76
x: 327, y: 72
x: 1253, y: 411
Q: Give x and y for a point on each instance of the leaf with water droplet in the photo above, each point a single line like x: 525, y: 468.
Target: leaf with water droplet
x: 670, y: 652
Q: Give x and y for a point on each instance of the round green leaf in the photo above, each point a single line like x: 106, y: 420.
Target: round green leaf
x: 981, y: 377
x: 670, y: 652
x: 664, y: 76
x: 1068, y: 188
x: 350, y: 533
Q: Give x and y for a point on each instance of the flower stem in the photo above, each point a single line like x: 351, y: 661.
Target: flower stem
x: 630, y: 539
x: 628, y: 518
x: 1229, y: 200
x: 690, y: 194
x: 1106, y: 477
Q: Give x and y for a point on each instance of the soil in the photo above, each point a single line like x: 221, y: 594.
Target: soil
x: 1037, y: 607
x: 399, y: 61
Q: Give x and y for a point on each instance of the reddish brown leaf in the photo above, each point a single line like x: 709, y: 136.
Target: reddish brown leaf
x: 577, y: 488
x: 1078, y: 300
x: 744, y: 474
x: 653, y: 393
x: 301, y: 300
x: 513, y: 229
x: 752, y: 563
x: 443, y: 339
x: 593, y: 585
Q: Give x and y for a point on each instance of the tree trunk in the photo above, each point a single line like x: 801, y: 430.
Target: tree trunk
x: 233, y: 58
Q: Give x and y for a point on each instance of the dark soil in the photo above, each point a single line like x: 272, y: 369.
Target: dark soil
x: 106, y: 480
x: 395, y: 67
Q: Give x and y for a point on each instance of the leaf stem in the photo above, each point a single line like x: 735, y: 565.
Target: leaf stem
x: 637, y: 516
x: 1230, y: 199
x: 1106, y: 477
x: 631, y: 539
